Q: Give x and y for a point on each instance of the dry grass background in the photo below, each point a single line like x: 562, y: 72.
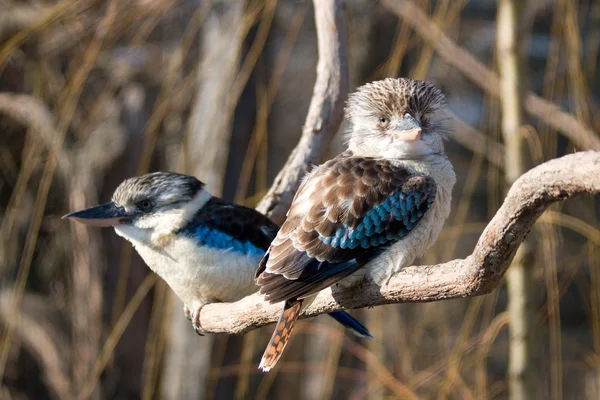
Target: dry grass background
x: 94, y: 91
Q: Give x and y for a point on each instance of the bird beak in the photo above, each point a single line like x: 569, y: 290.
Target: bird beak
x: 108, y: 214
x: 408, y: 129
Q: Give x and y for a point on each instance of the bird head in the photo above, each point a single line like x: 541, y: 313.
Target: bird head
x: 142, y: 207
x: 397, y: 118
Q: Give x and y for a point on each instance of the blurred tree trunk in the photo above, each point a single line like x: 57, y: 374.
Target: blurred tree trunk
x: 125, y: 269
x: 88, y: 262
x: 188, y: 356
x: 87, y: 283
x: 519, y: 275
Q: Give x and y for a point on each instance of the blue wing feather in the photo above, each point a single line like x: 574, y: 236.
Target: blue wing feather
x: 351, y: 323
x: 217, y: 239
x: 373, y: 230
x: 223, y: 225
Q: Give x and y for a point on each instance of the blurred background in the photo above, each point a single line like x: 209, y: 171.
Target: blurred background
x: 92, y: 92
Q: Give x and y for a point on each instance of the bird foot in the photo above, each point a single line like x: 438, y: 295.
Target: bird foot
x: 194, y: 316
x: 196, y: 321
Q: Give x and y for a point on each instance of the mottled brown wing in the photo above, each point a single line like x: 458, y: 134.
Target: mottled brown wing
x: 347, y: 210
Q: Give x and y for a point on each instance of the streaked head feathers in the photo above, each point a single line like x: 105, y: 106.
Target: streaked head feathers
x: 397, y: 118
x: 156, y: 188
x: 395, y: 96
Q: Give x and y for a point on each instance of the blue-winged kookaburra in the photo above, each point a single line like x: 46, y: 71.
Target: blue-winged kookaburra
x: 368, y: 212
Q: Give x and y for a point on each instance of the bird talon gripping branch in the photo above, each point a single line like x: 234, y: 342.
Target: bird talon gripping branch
x: 196, y: 321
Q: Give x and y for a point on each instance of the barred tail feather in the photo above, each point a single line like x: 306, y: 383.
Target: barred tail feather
x: 281, y: 335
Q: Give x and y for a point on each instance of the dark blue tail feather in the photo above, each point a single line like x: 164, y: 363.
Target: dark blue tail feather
x: 349, y: 322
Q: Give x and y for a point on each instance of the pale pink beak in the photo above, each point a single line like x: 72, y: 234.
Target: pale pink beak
x: 408, y: 136
x: 408, y: 129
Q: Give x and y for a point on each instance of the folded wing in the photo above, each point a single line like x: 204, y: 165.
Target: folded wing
x: 233, y: 226
x: 346, y: 212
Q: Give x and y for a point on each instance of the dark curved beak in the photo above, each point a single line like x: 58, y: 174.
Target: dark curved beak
x: 108, y: 214
x: 408, y: 129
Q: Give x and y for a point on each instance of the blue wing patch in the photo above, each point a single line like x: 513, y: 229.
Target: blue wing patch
x: 222, y: 225
x: 374, y: 228
x: 217, y: 239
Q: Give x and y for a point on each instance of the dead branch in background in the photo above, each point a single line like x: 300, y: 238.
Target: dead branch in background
x: 41, y: 339
x: 87, y: 309
x: 324, y: 114
x: 450, y: 52
x: 33, y: 113
x: 18, y: 16
x: 479, y: 143
x: 478, y: 274
x: 519, y: 279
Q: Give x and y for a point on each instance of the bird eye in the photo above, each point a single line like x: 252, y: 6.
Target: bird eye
x: 383, y: 120
x: 145, y: 205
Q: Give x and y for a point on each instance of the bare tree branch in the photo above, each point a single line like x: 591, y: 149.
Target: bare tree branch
x: 478, y: 274
x: 450, y: 52
x: 18, y: 16
x: 325, y: 112
x: 33, y: 113
x: 479, y: 143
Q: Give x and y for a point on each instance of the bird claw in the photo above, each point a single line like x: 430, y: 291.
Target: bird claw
x: 187, y: 312
x: 196, y: 321
x: 194, y: 316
